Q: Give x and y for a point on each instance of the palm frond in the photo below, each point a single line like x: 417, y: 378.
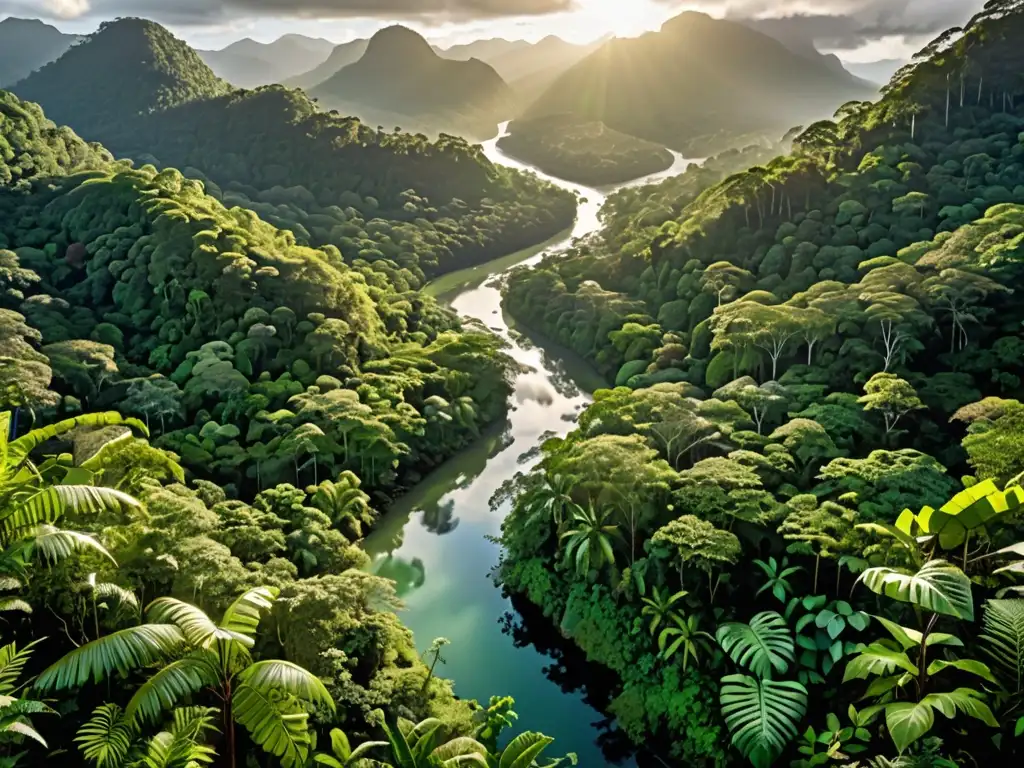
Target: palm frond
x: 197, y: 627
x: 285, y: 677
x: 243, y: 616
x: 176, y: 750
x: 278, y: 724
x: 12, y: 664
x: 168, y: 686
x: 18, y: 450
x: 120, y: 652
x: 106, y: 738
x: 48, y: 505
x: 54, y: 545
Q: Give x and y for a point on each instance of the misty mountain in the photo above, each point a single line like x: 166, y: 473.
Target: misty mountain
x: 699, y: 83
x: 342, y: 56
x: 402, y: 76
x: 28, y: 44
x: 249, y: 63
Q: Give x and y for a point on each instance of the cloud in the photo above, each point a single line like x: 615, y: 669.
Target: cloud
x: 213, y: 11
x: 843, y: 24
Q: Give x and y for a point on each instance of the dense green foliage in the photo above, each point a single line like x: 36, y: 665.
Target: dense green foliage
x: 401, y: 75
x: 225, y: 603
x: 585, y: 152
x: 393, y: 199
x: 803, y: 495
x: 698, y: 85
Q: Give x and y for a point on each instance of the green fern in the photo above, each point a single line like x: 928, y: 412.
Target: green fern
x: 1002, y: 641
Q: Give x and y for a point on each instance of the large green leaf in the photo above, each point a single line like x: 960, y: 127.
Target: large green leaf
x: 762, y: 715
x: 1002, y: 641
x: 524, y: 749
x: 106, y: 737
x: 970, y: 666
x: 938, y: 587
x: 907, y: 722
x: 243, y: 616
x: 461, y: 751
x: 764, y: 644
x: 968, y: 511
x: 123, y: 651
x: 965, y: 700
x: 876, y: 660
x: 170, y: 685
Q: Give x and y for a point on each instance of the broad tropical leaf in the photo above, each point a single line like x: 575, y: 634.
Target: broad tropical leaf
x: 765, y: 644
x: 119, y: 652
x: 938, y: 587
x: 964, y: 665
x: 243, y: 616
x: 968, y: 511
x: 876, y: 660
x: 170, y: 685
x: 22, y: 729
x: 965, y: 700
x: 106, y: 738
x: 461, y: 751
x: 1002, y: 641
x: 907, y: 722
x: 524, y: 749
x: 762, y: 715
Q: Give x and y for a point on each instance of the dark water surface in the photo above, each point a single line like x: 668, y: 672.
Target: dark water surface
x: 434, y: 543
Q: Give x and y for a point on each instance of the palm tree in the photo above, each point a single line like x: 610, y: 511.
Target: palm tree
x: 554, y: 498
x: 109, y: 739
x: 345, y: 503
x: 269, y: 698
x: 590, y: 542
x: 661, y: 607
x: 688, y: 637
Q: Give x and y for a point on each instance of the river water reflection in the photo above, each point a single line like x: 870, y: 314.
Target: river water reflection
x: 435, y: 541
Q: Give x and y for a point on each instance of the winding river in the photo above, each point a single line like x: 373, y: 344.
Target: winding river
x: 434, y: 542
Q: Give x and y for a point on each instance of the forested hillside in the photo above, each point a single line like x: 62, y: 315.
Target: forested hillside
x: 378, y: 196
x: 792, y: 529
x: 182, y: 584
x: 699, y: 84
x: 401, y: 74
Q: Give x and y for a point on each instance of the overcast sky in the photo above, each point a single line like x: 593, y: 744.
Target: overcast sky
x: 859, y: 30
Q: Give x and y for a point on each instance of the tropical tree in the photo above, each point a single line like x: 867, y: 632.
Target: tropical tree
x: 891, y: 396
x: 270, y: 699
x: 554, y: 498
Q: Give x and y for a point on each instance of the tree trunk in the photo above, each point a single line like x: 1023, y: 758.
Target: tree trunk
x: 981, y: 81
x: 817, y: 566
x: 229, y: 726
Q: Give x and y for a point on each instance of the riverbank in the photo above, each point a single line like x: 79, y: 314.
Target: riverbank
x: 583, y: 151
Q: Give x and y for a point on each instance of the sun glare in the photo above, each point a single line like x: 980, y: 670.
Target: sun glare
x: 632, y: 17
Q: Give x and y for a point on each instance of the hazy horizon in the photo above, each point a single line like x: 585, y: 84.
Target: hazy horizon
x: 856, y: 30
